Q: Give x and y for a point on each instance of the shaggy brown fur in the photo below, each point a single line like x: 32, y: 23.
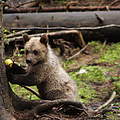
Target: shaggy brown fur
x: 46, y: 72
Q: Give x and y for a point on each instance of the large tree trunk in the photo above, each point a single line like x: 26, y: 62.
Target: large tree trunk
x: 65, y: 19
x: 5, y: 100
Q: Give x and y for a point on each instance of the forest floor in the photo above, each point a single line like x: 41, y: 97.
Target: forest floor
x: 96, y: 71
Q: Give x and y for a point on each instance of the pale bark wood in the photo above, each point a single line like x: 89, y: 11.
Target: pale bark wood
x: 78, y: 53
x: 107, y: 102
x: 17, y: 33
x: 66, y: 28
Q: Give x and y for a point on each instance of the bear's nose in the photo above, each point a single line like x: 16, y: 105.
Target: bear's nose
x: 28, y: 61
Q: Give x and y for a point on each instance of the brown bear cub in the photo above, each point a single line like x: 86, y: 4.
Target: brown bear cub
x: 46, y: 72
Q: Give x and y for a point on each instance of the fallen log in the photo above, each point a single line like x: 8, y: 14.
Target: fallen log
x: 60, y: 9
x: 66, y: 19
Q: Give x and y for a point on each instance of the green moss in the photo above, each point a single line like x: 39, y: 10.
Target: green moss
x: 112, y: 116
x: 111, y: 54
x: 20, y: 91
x: 96, y: 45
x: 94, y: 74
x: 117, y: 86
x: 66, y: 64
x: 85, y: 91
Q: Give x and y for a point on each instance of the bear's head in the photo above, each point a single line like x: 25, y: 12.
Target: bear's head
x: 36, y: 49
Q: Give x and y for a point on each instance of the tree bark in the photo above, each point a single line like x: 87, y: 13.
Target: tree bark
x: 66, y: 19
x: 4, y: 94
x: 60, y: 9
x: 5, y: 101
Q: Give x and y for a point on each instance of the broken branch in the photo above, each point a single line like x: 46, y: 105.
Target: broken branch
x: 108, y: 102
x: 17, y: 33
x: 46, y: 106
x: 78, y: 53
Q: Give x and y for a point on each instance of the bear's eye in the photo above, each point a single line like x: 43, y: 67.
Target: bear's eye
x: 26, y: 52
x: 35, y: 52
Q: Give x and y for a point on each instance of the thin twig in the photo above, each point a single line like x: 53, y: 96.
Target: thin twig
x: 17, y: 33
x: 108, y: 102
x: 82, y: 40
x: 31, y: 90
x: 65, y: 28
x: 78, y: 53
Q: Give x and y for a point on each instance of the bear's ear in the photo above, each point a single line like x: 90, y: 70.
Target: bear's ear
x: 26, y: 37
x: 44, y: 39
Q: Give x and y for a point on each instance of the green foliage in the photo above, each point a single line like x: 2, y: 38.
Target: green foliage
x: 94, y: 74
x: 111, y: 54
x: 108, y: 53
x: 19, y: 53
x: 85, y: 91
x: 66, y: 64
x: 22, y: 50
x: 117, y: 86
x: 22, y: 92
x: 6, y: 32
x: 96, y: 45
x: 112, y: 116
